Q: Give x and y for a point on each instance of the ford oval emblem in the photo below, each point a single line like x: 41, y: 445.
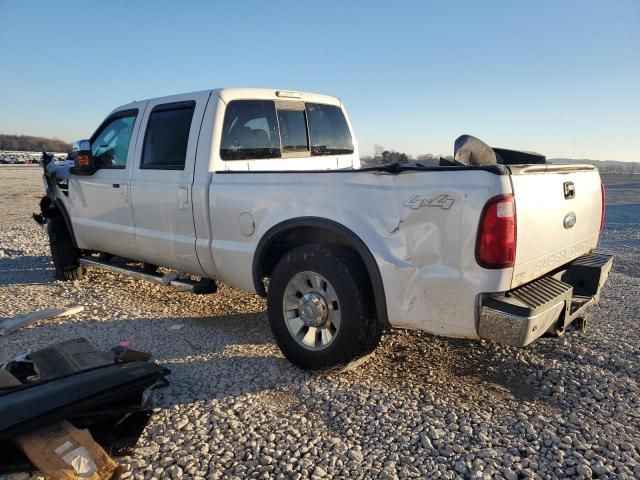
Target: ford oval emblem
x: 569, y: 220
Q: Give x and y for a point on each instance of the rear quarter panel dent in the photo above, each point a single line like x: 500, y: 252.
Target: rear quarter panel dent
x: 425, y: 256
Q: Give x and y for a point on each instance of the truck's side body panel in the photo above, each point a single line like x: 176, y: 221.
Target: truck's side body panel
x: 425, y: 253
x: 161, y: 194
x: 201, y: 189
x: 99, y: 205
x: 209, y: 161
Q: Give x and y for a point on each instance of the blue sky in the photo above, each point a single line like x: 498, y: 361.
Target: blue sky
x: 559, y: 77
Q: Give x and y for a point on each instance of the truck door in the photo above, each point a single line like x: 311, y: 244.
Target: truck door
x: 99, y: 204
x: 162, y: 180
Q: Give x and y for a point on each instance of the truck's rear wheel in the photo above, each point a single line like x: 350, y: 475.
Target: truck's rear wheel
x: 320, y: 307
x: 65, y: 256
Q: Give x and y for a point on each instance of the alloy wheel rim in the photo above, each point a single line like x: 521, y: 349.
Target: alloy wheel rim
x: 311, y: 310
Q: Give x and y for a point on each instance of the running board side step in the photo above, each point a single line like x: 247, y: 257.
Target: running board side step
x: 203, y: 286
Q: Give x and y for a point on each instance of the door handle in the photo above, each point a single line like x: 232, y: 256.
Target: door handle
x: 124, y: 194
x: 183, y: 198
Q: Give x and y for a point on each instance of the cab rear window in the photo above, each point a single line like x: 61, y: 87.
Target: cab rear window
x: 262, y: 129
x: 293, y: 131
x: 250, y: 131
x: 328, y: 130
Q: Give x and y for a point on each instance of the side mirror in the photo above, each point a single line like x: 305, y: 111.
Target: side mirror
x: 82, y: 159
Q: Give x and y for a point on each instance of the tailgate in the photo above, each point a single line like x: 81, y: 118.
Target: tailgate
x: 558, y: 214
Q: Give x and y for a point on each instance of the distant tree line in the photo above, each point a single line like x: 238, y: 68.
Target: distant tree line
x: 382, y: 156
x: 604, y: 166
x: 28, y: 143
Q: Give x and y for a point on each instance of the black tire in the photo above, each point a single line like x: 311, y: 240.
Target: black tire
x: 359, y: 331
x: 65, y: 256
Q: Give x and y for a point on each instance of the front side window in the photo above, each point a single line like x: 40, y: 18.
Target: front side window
x: 167, y: 136
x: 328, y: 130
x: 250, y: 131
x: 110, y: 147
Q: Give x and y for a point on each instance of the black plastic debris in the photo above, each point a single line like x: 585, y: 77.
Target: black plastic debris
x: 65, y: 358
x: 104, y: 392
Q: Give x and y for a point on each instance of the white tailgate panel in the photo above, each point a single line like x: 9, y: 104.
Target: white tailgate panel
x: 543, y: 241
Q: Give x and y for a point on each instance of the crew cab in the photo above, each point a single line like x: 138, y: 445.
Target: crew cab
x: 264, y: 190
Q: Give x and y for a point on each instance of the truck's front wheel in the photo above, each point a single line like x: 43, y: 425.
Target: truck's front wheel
x: 64, y: 254
x: 320, y: 307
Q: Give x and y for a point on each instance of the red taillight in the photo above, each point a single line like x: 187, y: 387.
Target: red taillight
x: 604, y: 196
x: 496, y: 244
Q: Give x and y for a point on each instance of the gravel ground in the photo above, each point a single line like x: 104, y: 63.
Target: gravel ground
x: 421, y: 407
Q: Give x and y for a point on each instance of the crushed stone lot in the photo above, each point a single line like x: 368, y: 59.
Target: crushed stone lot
x: 421, y: 407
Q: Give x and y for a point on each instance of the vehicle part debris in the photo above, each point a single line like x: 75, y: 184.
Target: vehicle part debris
x: 66, y: 358
x: 104, y: 392
x: 11, y: 325
x: 67, y: 453
x: 126, y: 354
x: 8, y: 380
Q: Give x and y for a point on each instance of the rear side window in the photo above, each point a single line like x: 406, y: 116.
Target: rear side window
x: 250, y: 131
x: 328, y: 130
x: 167, y: 136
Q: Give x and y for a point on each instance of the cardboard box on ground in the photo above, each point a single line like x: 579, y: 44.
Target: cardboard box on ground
x: 64, y: 452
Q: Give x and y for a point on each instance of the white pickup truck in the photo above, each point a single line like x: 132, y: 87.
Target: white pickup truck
x: 263, y: 190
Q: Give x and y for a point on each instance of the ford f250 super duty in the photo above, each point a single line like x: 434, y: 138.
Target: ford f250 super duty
x: 263, y: 190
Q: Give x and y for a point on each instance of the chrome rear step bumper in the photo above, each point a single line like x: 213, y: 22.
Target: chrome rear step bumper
x: 201, y: 287
x: 548, y: 304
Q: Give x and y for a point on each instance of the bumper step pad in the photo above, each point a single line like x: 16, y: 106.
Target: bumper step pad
x: 548, y: 304
x: 587, y: 274
x: 532, y: 298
